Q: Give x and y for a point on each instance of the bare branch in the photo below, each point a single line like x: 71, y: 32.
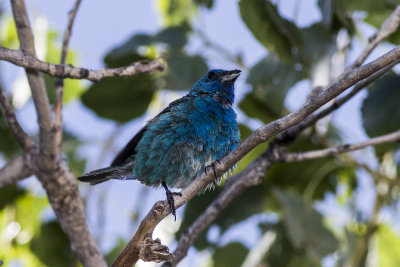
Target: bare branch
x: 60, y: 82
x: 57, y: 180
x: 16, y: 169
x: 276, y: 148
x: 20, y: 135
x: 388, y: 27
x: 47, y: 144
x: 23, y: 59
x: 294, y: 157
x: 259, y: 136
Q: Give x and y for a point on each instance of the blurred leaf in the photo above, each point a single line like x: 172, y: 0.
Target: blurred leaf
x: 177, y: 12
x: 52, y: 246
x: 282, y: 252
x: 250, y: 202
x: 176, y: 36
x: 277, y: 34
x: 380, y: 109
x: 69, y: 147
x: 388, y: 246
x: 9, y: 193
x: 334, y: 15
x: 319, y: 45
x: 115, y: 251
x: 313, y: 177
x: 377, y: 12
x: 304, y: 226
x: 183, y: 70
x: 207, y: 3
x: 8, y: 146
x: 271, y: 80
x: 120, y: 99
x: 230, y: 255
x: 8, y: 35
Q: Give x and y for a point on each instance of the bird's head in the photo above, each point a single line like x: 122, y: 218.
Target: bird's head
x: 218, y: 84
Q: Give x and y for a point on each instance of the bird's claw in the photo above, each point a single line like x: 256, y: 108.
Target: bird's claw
x: 212, y: 165
x: 170, y: 199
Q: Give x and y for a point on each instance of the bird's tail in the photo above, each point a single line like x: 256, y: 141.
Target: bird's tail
x: 102, y: 175
x: 99, y: 176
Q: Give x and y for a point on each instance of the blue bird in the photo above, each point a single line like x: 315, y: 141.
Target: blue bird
x: 191, y: 134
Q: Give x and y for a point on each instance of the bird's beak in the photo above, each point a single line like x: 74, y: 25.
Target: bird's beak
x: 231, y: 76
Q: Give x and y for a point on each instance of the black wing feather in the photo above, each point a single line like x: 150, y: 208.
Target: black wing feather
x: 129, y: 149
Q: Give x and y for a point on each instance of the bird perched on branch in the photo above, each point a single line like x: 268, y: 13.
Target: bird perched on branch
x: 177, y: 145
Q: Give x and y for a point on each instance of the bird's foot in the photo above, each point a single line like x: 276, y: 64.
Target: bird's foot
x: 212, y: 165
x: 170, y: 198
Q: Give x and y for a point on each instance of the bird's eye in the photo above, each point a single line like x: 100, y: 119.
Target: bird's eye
x: 211, y: 75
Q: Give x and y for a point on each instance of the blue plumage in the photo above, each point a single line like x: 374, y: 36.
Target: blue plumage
x: 179, y: 143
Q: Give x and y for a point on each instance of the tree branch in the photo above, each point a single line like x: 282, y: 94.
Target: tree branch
x: 26, y: 60
x: 294, y: 157
x: 57, y: 180
x: 275, y: 149
x: 129, y: 256
x: 59, y: 87
x: 20, y: 135
x: 388, y: 27
x: 46, y: 122
x: 16, y: 169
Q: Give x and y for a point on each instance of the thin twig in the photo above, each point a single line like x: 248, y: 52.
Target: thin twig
x: 388, y: 27
x: 301, y: 156
x: 20, y: 135
x: 27, y: 60
x: 59, y: 86
x: 129, y: 256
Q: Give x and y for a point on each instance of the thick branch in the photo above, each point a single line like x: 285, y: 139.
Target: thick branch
x: 59, y: 87
x: 20, y: 58
x: 20, y: 135
x: 260, y: 135
x: 36, y: 82
x: 294, y: 157
x: 57, y: 180
x: 16, y: 169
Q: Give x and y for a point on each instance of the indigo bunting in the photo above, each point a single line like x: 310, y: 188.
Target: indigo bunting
x: 191, y: 134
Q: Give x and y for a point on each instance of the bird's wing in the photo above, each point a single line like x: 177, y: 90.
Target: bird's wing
x: 130, y: 149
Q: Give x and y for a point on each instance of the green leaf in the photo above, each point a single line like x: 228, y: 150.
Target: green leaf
x: 8, y: 146
x: 388, y: 246
x: 176, y: 36
x: 271, y: 80
x: 183, y: 70
x: 52, y: 246
x: 282, y: 252
x: 334, y: 15
x: 305, y: 227
x: 9, y: 193
x: 115, y: 251
x: 70, y: 146
x: 120, y: 99
x: 177, y: 12
x: 230, y: 255
x: 277, y: 34
x: 319, y: 44
x: 380, y: 109
x: 250, y: 202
